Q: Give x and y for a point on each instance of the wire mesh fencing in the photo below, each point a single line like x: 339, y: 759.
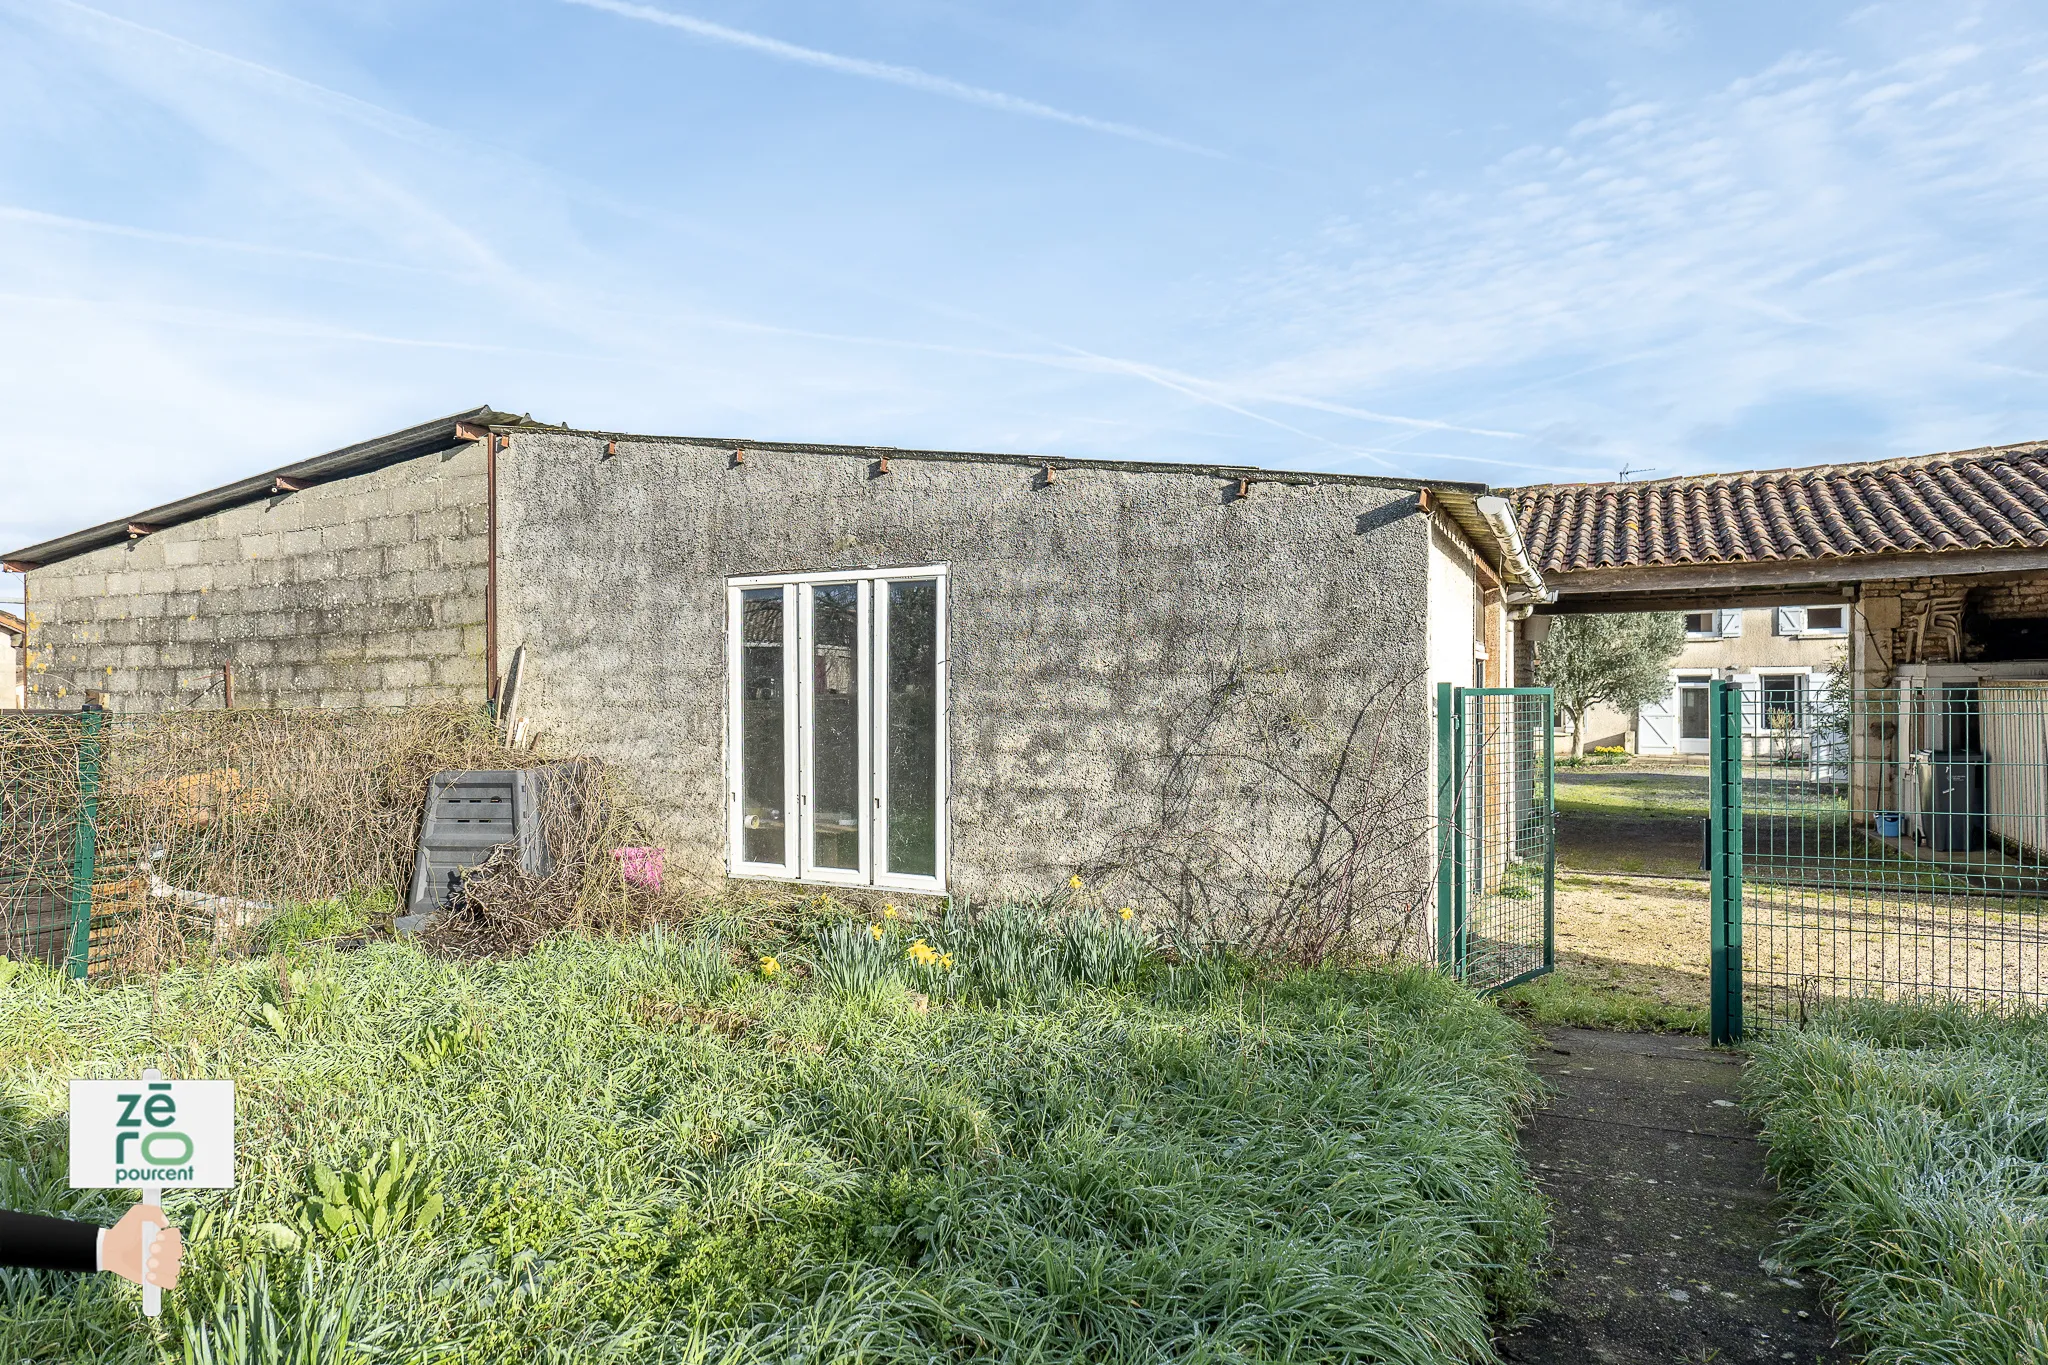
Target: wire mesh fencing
x: 123, y: 836
x: 1890, y: 844
x: 1497, y: 856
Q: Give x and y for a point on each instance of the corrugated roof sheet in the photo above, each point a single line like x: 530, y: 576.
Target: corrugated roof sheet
x: 1990, y: 499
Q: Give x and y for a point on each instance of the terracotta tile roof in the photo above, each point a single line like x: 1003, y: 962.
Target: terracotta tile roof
x: 1990, y: 499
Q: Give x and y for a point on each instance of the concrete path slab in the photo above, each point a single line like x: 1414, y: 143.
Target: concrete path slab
x: 1663, y: 1213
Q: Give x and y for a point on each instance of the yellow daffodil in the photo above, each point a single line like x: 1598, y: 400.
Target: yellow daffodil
x: 769, y: 966
x: 875, y: 931
x: 946, y: 961
x: 1075, y: 881
x: 888, y: 912
x: 1124, y: 913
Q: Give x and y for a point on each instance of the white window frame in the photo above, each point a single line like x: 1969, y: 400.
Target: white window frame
x: 799, y: 686
x: 735, y: 650
x: 1813, y: 632
x: 1713, y: 632
x: 1681, y: 743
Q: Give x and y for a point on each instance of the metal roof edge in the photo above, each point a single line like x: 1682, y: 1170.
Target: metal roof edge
x: 360, y: 458
x: 1221, y: 471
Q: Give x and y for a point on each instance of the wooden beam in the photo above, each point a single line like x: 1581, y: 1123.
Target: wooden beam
x: 1423, y: 501
x: 1695, y: 599
x: 137, y: 530
x: 281, y: 484
x: 470, y: 431
x: 1811, y: 572
x: 16, y: 565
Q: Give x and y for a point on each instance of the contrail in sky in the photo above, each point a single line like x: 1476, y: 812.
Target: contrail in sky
x: 907, y: 76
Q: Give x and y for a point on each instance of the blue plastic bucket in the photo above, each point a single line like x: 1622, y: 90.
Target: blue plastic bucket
x: 1888, y: 825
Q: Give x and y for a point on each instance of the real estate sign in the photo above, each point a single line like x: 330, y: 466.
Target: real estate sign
x: 152, y: 1134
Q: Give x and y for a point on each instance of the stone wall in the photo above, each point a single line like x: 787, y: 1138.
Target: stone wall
x: 366, y: 591
x: 1962, y: 620
x: 1111, y: 633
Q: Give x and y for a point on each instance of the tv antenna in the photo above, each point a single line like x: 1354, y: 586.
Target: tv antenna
x: 1627, y: 473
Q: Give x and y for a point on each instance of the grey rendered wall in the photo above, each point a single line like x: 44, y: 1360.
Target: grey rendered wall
x: 365, y: 591
x: 1111, y: 633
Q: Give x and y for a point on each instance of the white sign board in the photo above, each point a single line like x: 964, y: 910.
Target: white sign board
x: 152, y: 1134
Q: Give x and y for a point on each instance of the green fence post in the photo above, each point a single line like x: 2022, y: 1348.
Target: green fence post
x: 1724, y: 853
x: 1446, y: 826
x: 1461, y: 816
x: 84, y: 832
x: 1550, y: 834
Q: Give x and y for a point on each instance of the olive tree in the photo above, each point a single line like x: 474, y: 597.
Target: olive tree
x: 1623, y: 660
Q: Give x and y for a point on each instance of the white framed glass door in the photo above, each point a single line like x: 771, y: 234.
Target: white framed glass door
x: 836, y: 734
x: 761, y: 700
x: 910, y: 709
x: 833, y: 802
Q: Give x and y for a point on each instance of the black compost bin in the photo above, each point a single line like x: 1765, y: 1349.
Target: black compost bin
x: 1955, y: 801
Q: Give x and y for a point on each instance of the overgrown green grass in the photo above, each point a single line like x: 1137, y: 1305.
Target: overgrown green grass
x: 1059, y: 1148
x: 304, y: 922
x: 1913, y: 1143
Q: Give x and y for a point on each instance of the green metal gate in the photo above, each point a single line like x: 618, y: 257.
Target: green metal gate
x: 1496, y: 834
x: 1889, y: 845
x: 49, y: 823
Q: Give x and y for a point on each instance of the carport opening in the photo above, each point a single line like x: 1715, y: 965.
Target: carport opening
x: 1892, y: 779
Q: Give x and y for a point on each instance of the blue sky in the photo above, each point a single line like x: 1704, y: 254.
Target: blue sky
x: 1509, y: 240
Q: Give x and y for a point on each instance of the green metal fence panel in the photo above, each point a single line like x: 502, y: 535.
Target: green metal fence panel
x: 1893, y: 842
x: 121, y: 834
x: 1446, y: 828
x: 40, y: 756
x: 84, y: 834
x: 1724, y: 862
x: 1496, y: 895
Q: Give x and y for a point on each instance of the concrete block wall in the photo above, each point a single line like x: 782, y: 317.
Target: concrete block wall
x: 368, y: 591
x: 1095, y: 622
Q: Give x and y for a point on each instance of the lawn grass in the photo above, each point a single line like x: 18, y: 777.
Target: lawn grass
x: 1568, y: 998
x: 1637, y: 795
x: 1060, y: 1149
x: 1913, y: 1144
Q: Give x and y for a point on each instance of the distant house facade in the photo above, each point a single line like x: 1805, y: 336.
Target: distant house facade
x: 1785, y: 654
x: 921, y: 670
x: 13, y: 662
x: 1939, y: 565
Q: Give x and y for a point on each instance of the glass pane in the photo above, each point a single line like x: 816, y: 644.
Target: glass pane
x: 1781, y: 703
x: 762, y: 708
x: 1692, y: 713
x: 835, y: 725
x: 913, y: 739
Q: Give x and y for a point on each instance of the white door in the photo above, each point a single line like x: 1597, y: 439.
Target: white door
x: 1694, y: 725
x: 1657, y: 726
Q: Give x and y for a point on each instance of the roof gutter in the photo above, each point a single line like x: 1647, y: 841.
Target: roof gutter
x: 425, y: 439
x: 1529, y: 589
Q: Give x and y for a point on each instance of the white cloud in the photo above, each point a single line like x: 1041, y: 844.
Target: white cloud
x: 1829, y: 226
x: 909, y: 77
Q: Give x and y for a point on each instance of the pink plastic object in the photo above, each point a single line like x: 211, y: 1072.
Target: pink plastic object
x: 641, y: 866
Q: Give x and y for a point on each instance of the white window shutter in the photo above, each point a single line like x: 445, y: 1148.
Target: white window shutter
x: 1731, y: 624
x: 1791, y: 620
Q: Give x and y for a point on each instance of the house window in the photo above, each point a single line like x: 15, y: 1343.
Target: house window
x: 1827, y: 621
x: 1781, y: 700
x: 1703, y: 625
x: 836, y: 749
